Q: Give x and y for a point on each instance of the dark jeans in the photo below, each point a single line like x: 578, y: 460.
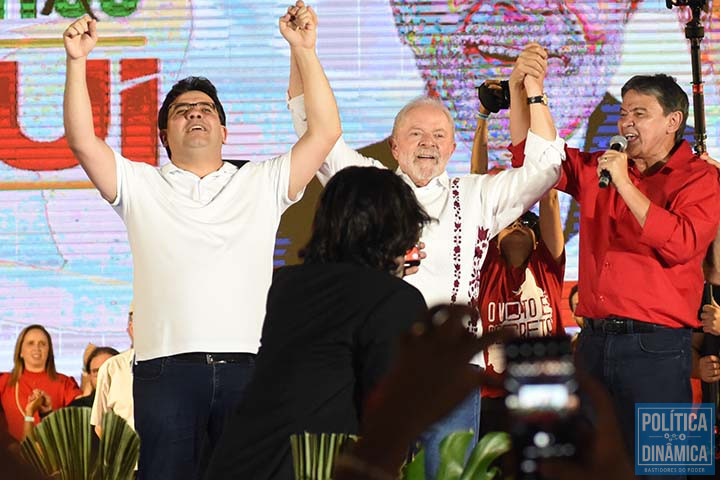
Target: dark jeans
x: 651, y: 367
x: 180, y: 408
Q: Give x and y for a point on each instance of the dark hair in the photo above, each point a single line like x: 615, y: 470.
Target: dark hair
x: 668, y: 93
x: 189, y: 84
x: 534, y: 220
x: 19, y: 363
x: 367, y: 216
x: 573, y: 291
x: 99, y: 351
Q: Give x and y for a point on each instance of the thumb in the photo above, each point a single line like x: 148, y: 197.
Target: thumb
x: 313, y: 17
x: 283, y: 22
x: 92, y: 29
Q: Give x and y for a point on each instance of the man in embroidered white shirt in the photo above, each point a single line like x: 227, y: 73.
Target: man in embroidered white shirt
x: 470, y: 209
x: 202, y: 233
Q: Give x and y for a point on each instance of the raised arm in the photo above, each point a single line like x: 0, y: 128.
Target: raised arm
x: 551, y: 227
x: 95, y: 157
x: 515, y: 190
x: 541, y: 122
x: 532, y: 62
x: 295, y: 83
x: 479, y: 159
x: 323, y: 120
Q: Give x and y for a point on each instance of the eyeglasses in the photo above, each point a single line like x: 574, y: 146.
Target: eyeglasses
x: 180, y: 109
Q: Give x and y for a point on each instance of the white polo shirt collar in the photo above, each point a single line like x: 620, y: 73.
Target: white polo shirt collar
x: 191, y: 186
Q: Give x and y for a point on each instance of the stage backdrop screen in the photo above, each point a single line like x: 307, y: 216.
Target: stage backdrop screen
x: 64, y: 257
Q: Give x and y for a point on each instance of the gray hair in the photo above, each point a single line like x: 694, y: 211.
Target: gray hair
x: 422, y: 101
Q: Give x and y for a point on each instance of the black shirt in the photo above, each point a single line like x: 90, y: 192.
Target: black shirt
x: 328, y: 338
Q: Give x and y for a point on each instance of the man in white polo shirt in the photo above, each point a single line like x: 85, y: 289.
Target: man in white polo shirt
x: 202, y: 234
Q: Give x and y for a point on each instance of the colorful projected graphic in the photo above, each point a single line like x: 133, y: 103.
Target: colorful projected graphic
x: 64, y: 257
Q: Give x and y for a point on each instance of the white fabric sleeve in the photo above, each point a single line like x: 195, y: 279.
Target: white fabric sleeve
x: 102, y: 388
x: 277, y: 172
x: 340, y: 156
x: 125, y: 174
x: 512, y: 192
x: 297, y: 112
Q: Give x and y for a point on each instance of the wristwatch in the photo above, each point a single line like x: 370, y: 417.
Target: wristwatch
x: 538, y: 99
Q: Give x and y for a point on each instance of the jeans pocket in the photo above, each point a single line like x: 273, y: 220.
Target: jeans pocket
x: 149, y: 369
x: 663, y: 343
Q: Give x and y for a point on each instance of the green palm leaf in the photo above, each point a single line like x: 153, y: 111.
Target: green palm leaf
x: 61, y: 447
x: 490, y: 447
x: 452, y: 455
x: 314, y: 454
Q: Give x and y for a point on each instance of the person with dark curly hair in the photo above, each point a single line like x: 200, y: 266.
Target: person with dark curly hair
x: 331, y: 324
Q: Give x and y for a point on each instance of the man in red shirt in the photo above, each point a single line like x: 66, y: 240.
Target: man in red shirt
x: 642, y: 241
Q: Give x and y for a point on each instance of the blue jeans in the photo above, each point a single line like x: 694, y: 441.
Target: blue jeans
x: 635, y: 368
x: 466, y: 416
x: 180, y: 408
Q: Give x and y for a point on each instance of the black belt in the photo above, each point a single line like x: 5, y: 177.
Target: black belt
x: 211, y: 358
x: 620, y: 325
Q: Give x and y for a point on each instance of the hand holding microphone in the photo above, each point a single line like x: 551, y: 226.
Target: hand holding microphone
x: 618, y: 143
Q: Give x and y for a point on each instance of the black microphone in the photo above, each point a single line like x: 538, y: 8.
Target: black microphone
x: 619, y: 144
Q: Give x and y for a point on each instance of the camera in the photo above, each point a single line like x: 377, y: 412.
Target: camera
x: 542, y: 402
x: 686, y: 3
x: 494, y: 95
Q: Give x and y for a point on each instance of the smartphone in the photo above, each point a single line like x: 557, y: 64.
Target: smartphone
x: 412, y: 257
x: 542, y: 402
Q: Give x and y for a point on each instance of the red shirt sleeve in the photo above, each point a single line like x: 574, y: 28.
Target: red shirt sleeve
x: 574, y: 166
x: 689, y: 222
x: 70, y: 391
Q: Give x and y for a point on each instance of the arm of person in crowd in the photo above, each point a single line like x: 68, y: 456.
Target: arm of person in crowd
x: 711, y: 262
x: 94, y: 155
x: 479, y: 159
x: 35, y: 401
x: 429, y: 377
x: 323, y: 120
x: 710, y: 317
x: 551, y: 228
x: 709, y: 368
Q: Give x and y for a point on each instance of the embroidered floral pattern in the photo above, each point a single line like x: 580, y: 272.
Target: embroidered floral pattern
x: 457, y: 237
x: 481, y: 245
